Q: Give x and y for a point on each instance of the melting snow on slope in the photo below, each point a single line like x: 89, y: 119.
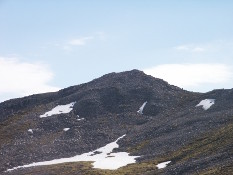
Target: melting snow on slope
x: 142, y: 107
x: 66, y: 129
x: 206, y: 104
x: 79, y: 118
x: 30, y: 130
x: 103, y: 158
x: 163, y: 164
x: 60, y: 109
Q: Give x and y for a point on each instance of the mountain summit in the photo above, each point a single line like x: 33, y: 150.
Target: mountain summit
x: 120, y: 123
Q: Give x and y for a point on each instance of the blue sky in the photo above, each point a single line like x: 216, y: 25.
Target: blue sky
x: 48, y: 45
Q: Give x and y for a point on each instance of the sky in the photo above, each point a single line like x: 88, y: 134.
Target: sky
x: 49, y: 45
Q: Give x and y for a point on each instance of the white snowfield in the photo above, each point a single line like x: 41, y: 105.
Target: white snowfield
x: 206, y: 104
x: 103, y: 158
x: 66, y: 129
x: 163, y: 164
x: 60, y: 109
x: 142, y: 107
x: 30, y: 130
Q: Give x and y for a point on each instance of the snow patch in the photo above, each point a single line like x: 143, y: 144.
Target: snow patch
x: 30, y: 130
x: 60, y: 109
x: 206, y: 104
x: 79, y: 118
x: 163, y: 164
x: 105, y: 159
x: 66, y: 129
x: 142, y: 107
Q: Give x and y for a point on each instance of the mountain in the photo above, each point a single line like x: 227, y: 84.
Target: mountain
x: 121, y: 123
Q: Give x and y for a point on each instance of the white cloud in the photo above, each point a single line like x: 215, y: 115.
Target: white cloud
x: 19, y: 78
x: 190, y: 48
x: 193, y: 76
x: 70, y: 44
x: 80, y: 41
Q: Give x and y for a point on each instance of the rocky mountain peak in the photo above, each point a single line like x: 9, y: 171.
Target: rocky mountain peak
x: 155, y: 122
x: 128, y: 78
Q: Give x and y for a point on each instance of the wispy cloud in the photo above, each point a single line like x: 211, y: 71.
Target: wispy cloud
x: 101, y: 35
x: 221, y: 46
x: 80, y: 41
x: 192, y: 76
x: 190, y: 48
x: 18, y: 78
x: 75, y: 42
x: 71, y: 44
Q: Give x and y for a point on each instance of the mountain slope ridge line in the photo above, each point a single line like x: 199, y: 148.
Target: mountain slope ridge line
x: 106, y: 108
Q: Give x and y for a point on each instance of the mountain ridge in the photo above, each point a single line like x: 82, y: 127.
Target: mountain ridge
x: 105, y: 109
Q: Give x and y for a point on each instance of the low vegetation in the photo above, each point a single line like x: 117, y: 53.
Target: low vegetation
x: 205, y: 146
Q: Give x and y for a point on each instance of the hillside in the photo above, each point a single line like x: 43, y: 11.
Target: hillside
x: 103, y: 120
